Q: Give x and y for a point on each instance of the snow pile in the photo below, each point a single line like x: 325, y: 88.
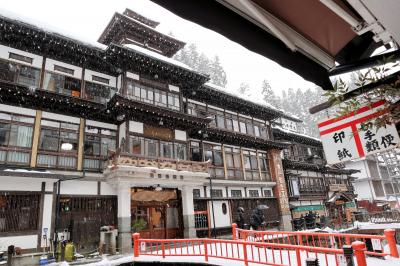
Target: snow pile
x: 50, y: 28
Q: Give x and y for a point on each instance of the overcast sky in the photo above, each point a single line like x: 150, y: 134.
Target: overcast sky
x: 86, y: 19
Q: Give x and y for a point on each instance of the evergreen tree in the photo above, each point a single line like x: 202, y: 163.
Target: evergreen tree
x: 217, y: 73
x: 269, y: 95
x: 244, y: 89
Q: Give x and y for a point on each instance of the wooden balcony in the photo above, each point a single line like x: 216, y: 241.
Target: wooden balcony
x: 125, y: 159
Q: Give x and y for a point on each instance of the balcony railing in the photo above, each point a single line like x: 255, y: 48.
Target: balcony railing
x: 160, y: 163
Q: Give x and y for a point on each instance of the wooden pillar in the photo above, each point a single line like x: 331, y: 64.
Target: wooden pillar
x: 36, y: 136
x: 81, y: 142
x: 276, y: 168
x: 224, y: 160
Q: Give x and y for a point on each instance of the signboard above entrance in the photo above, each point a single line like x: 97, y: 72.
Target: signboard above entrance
x: 344, y: 140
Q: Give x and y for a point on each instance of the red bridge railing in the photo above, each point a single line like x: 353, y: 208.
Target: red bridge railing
x: 375, y: 243
x: 271, y: 248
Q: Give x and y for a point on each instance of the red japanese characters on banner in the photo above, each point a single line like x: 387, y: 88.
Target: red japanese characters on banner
x: 344, y: 140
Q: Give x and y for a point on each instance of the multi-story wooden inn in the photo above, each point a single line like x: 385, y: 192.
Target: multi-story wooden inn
x: 120, y: 134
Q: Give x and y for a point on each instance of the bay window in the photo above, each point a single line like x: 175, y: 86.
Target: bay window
x: 18, y: 73
x: 97, y: 143
x: 62, y: 84
x: 158, y: 97
x: 265, y: 172
x: 58, y: 144
x: 16, y: 134
x: 157, y: 148
x: 98, y: 93
x: 251, y: 165
x: 213, y: 153
x: 233, y: 163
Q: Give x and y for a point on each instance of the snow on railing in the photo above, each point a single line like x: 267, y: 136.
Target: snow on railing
x: 375, y: 243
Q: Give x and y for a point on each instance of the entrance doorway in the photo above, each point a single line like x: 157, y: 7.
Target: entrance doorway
x: 156, y: 214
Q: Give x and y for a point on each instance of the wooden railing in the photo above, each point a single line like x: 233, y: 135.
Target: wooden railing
x: 160, y: 163
x: 379, y: 217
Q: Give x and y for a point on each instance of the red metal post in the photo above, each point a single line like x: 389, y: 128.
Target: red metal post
x: 163, y: 249
x: 359, y: 249
x: 298, y: 256
x: 234, y: 227
x: 136, y: 237
x: 205, y: 249
x: 348, y: 241
x: 390, y: 236
x: 246, y: 263
x: 299, y: 239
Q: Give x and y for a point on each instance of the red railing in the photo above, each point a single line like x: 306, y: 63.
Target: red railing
x: 376, y: 243
x: 238, y: 250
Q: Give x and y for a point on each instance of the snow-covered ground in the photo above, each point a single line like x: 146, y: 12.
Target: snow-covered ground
x: 254, y: 252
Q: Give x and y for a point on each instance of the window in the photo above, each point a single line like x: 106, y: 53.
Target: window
x: 58, y: 144
x: 265, y: 173
x: 16, y: 133
x: 294, y: 187
x: 216, y: 193
x: 97, y: 143
x: 18, y: 73
x: 213, y: 152
x: 19, y: 57
x: 249, y: 127
x: 254, y: 193
x: 233, y: 163
x: 251, y: 165
x: 196, y: 152
x: 196, y: 193
x: 64, y: 69
x: 156, y: 148
x: 243, y: 127
x: 224, y: 208
x: 19, y: 212
x: 62, y: 84
x: 236, y: 193
x: 98, y: 93
x: 220, y: 119
x: 268, y: 193
x: 154, y: 96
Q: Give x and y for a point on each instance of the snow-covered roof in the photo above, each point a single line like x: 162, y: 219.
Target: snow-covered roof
x: 50, y: 28
x: 157, y: 56
x: 295, y: 133
x: 250, y: 98
x: 150, y: 28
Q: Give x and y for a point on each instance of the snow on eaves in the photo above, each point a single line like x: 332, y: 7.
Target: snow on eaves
x: 158, y: 56
x: 50, y: 28
x: 252, y: 99
x: 149, y: 28
x: 295, y: 133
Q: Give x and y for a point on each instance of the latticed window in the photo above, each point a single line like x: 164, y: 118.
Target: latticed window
x: 19, y: 212
x: 58, y: 144
x: 16, y: 134
x: 236, y: 193
x: 233, y: 162
x: 254, y: 193
x: 216, y: 193
x: 98, y: 141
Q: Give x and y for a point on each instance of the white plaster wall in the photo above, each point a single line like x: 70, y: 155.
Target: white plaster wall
x: 47, y: 211
x: 50, y: 66
x: 61, y: 118
x: 136, y: 127
x: 5, y: 51
x: 24, y: 242
x: 221, y: 220
x: 20, y: 183
x: 101, y: 124
x: 180, y: 135
x: 363, y: 190
x: 89, y: 77
x: 107, y: 189
x: 121, y: 133
x: 132, y: 75
x: 79, y: 187
x: 173, y: 88
x: 17, y: 110
x: 50, y: 185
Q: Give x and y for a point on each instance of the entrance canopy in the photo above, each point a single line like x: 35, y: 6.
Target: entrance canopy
x: 309, y: 37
